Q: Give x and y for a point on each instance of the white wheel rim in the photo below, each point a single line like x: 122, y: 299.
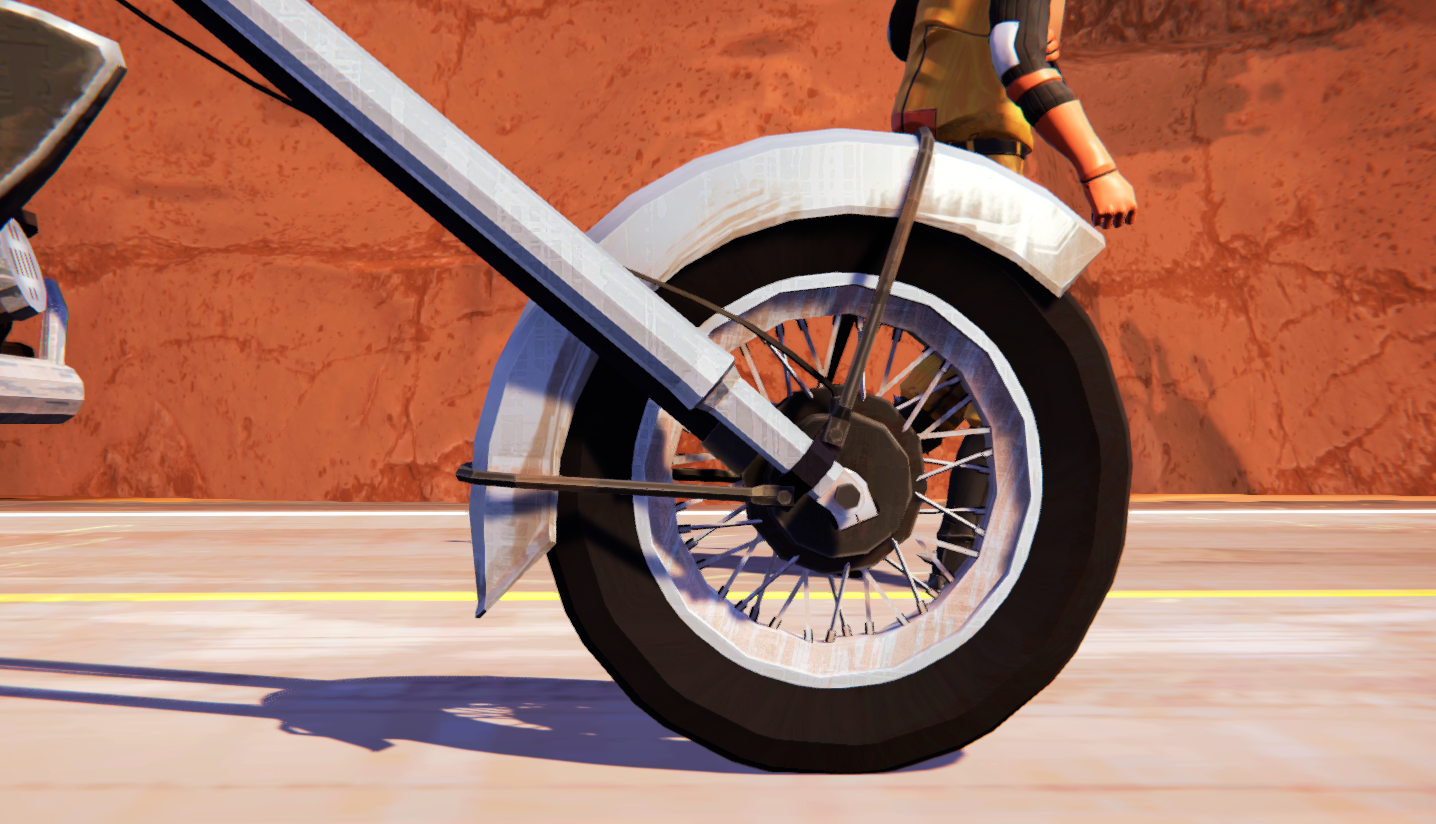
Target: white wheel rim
x: 960, y: 610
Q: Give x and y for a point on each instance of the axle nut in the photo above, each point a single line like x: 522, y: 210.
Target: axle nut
x: 847, y: 496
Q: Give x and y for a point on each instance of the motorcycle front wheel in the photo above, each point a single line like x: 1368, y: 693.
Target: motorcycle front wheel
x: 727, y: 637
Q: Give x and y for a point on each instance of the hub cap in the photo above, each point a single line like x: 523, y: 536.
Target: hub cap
x: 883, y: 452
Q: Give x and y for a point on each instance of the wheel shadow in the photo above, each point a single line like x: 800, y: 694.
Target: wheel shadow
x: 557, y: 719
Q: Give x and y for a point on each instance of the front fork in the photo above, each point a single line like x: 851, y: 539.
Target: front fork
x: 350, y: 93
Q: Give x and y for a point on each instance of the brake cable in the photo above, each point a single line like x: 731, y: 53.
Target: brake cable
x: 207, y: 56
x: 750, y: 326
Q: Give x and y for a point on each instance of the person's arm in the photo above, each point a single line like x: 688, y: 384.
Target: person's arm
x: 1024, y: 37
x: 1055, y: 12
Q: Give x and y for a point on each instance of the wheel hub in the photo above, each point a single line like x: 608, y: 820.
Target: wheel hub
x: 888, y: 457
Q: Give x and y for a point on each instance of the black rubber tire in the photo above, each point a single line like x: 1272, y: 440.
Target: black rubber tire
x: 621, y: 615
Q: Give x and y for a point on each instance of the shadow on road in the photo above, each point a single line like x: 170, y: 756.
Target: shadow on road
x: 586, y: 722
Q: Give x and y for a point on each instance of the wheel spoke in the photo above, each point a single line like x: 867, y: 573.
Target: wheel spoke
x: 924, y: 592
x: 862, y: 376
x: 797, y: 585
x: 902, y: 563
x: 945, y: 384
x: 932, y: 559
x: 925, y: 587
x: 787, y: 381
x: 906, y: 369
x: 965, y: 463
x: 952, y: 512
x: 838, y: 623
x: 931, y: 593
x: 957, y: 407
x: 821, y: 363
x: 716, y: 558
x: 788, y: 370
x: 709, y: 529
x: 692, y: 542
x: 868, y: 628
x: 932, y: 384
x: 742, y: 562
x: 830, y: 356
x: 807, y: 607
x: 892, y: 353
x: 757, y: 379
x: 968, y: 551
x: 773, y: 575
x: 838, y: 342
x: 902, y: 619
x: 758, y: 333
x: 758, y: 600
x: 957, y: 433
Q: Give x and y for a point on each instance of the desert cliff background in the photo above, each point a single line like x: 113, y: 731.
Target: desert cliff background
x: 257, y: 314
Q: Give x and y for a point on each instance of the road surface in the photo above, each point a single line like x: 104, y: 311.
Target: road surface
x: 207, y: 664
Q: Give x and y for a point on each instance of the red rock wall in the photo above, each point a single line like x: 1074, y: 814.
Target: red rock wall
x: 258, y: 315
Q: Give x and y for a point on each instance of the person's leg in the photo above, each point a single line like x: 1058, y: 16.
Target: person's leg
x: 966, y: 489
x: 1012, y: 163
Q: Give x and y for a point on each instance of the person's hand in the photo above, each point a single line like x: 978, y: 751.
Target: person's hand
x: 1112, y: 200
x: 1056, y: 11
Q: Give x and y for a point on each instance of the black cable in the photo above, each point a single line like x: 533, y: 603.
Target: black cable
x: 211, y: 58
x: 746, y: 324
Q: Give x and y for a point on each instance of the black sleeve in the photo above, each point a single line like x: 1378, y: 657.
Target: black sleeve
x: 900, y: 23
x: 1031, y: 41
x: 1024, y: 51
x: 1040, y: 100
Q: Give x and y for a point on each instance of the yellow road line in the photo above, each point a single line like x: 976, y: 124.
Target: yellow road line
x: 93, y: 597
x: 57, y: 597
x: 1272, y: 593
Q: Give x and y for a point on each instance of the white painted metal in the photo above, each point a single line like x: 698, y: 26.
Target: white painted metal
x: 111, y: 61
x: 33, y: 386
x: 522, y: 430
x: 694, y: 210
x: 41, y: 386
x: 55, y: 326
x: 552, y: 250
x: 22, y: 288
x: 560, y: 258
x: 706, y: 203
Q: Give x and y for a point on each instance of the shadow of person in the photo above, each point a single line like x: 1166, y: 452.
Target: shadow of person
x: 588, y: 722
x: 558, y: 719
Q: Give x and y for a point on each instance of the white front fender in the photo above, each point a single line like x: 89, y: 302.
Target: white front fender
x: 692, y: 211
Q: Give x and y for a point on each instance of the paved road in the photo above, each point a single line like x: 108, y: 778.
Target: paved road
x: 1245, y: 707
